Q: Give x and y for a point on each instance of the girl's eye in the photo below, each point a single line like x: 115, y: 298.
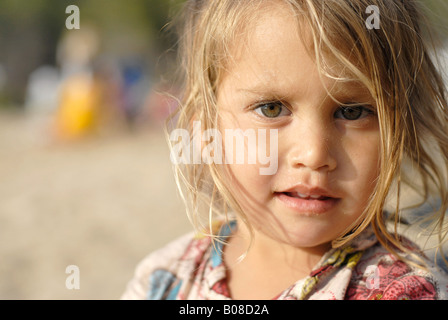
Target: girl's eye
x: 353, y: 113
x: 272, y: 110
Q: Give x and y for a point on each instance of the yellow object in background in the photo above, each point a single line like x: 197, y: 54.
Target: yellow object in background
x: 79, y: 102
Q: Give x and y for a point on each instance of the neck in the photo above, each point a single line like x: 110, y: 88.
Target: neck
x: 270, y: 265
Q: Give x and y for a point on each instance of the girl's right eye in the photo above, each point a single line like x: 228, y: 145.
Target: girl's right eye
x: 272, y: 110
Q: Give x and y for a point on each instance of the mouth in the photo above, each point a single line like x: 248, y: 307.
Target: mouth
x: 305, y: 196
x: 307, y: 204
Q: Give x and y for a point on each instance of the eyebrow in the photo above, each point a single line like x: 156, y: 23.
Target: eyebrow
x: 259, y: 89
x: 344, y: 91
x: 266, y: 90
x: 258, y: 94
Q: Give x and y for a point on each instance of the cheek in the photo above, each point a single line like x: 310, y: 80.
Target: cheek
x: 250, y: 188
x: 369, y: 157
x: 245, y: 179
x: 365, y: 159
x: 240, y: 149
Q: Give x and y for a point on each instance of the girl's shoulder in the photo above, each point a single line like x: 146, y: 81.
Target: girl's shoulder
x: 159, y: 270
x: 380, y: 275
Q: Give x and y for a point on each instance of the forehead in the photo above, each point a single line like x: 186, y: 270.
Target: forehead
x: 277, y: 54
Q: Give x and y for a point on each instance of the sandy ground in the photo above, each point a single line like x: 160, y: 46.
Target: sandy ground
x: 101, y: 205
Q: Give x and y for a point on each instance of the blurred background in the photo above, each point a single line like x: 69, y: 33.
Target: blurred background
x: 85, y: 173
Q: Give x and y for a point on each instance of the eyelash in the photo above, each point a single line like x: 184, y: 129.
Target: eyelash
x: 366, y: 110
x: 260, y: 105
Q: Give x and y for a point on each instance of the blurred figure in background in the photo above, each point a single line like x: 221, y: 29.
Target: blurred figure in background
x: 162, y: 100
x: 43, y: 90
x: 135, y: 85
x: 79, y: 95
x: 78, y: 109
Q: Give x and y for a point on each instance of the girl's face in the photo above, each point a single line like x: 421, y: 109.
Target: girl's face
x: 328, y: 154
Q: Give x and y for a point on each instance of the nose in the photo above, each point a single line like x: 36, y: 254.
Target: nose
x: 313, y: 147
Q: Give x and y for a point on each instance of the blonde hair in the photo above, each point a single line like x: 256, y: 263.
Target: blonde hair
x: 393, y: 62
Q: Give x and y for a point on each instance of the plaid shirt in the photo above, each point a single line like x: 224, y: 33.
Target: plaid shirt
x: 192, y: 268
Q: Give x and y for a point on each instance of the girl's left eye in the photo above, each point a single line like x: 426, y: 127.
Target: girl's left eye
x: 272, y: 110
x: 353, y: 112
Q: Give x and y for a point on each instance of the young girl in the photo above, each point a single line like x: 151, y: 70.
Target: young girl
x: 358, y: 122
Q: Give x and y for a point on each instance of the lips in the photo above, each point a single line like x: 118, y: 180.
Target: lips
x: 308, y: 200
x: 306, y: 196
